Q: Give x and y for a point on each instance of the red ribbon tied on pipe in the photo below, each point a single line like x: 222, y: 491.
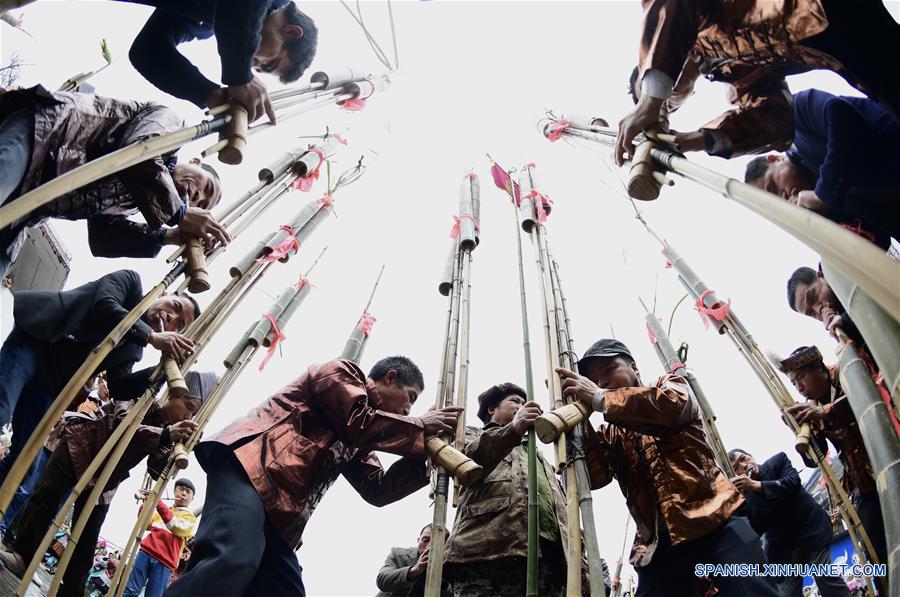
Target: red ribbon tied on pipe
x: 544, y: 199
x: 365, y: 324
x: 337, y: 137
x: 305, y: 183
x: 676, y: 366
x: 284, y: 247
x: 326, y: 200
x: 556, y: 130
x: 301, y: 283
x: 503, y: 182
x: 275, y: 341
x: 353, y: 105
x: 457, y: 222
x: 718, y: 313
x: 651, y: 334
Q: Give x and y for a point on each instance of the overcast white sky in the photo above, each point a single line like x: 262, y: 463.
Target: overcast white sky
x: 474, y: 77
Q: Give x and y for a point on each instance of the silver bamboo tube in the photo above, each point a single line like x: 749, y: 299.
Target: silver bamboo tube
x: 356, y: 343
x: 475, y: 186
x: 446, y: 283
x: 527, y: 213
x: 617, y: 575
x: 462, y: 390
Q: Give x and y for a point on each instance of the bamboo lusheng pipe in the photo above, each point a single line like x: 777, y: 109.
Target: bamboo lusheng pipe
x: 75, y: 384
x: 200, y: 331
x: 617, y: 575
x: 551, y: 336
x: 235, y: 136
x: 582, y: 478
x: 876, y: 273
x: 880, y: 331
x: 356, y: 343
x: 462, y: 391
x: 527, y: 213
x: 671, y: 363
x: 196, y: 262
x: 881, y: 444
x: 174, y: 378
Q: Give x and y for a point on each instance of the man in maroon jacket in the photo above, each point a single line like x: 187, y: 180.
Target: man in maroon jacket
x: 268, y: 471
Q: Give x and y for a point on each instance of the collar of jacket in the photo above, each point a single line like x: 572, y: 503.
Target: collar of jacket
x: 374, y: 396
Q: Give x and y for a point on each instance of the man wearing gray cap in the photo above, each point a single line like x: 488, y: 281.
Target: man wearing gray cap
x: 653, y: 443
x: 82, y: 437
x: 486, y: 553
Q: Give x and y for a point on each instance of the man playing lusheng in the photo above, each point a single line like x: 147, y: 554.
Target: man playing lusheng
x: 828, y: 411
x: 83, y: 437
x: 841, y: 164
x: 795, y: 529
x: 267, y: 472
x: 753, y: 45
x: 270, y: 36
x: 45, y: 134
x: 654, y: 444
x: 404, y: 568
x: 160, y: 552
x: 487, y: 550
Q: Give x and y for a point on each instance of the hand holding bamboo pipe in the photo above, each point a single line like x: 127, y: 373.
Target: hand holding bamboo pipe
x: 554, y: 423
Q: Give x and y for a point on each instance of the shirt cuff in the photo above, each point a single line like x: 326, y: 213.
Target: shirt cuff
x: 179, y: 215
x: 599, y: 401
x: 656, y: 84
x: 717, y: 143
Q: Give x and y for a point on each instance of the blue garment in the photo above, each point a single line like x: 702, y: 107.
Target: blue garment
x: 16, y: 142
x: 787, y: 516
x: 26, y: 488
x: 237, y: 27
x: 850, y: 146
x: 23, y: 395
x: 150, y: 572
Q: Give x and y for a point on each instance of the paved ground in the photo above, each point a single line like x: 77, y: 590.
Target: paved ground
x: 9, y: 583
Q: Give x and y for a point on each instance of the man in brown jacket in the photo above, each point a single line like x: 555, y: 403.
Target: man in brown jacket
x: 487, y: 551
x: 653, y: 443
x: 82, y: 438
x: 268, y: 471
x: 45, y: 134
x: 828, y: 412
x: 752, y: 46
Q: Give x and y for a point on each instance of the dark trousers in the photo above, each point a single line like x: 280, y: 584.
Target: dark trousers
x: 869, y: 509
x: 671, y: 571
x: 236, y: 551
x: 863, y: 36
x: 34, y: 519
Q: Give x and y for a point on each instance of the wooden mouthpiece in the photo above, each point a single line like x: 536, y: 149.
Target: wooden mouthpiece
x: 235, y: 136
x: 642, y: 185
x: 462, y: 468
x: 549, y: 426
x: 180, y: 457
x: 196, y: 265
x: 174, y: 378
x: 802, y: 442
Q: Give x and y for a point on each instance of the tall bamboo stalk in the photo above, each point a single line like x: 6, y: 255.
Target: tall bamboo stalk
x: 876, y: 273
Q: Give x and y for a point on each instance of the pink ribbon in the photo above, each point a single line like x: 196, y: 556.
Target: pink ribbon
x: 305, y: 183
x: 707, y: 314
x: 557, y: 129
x: 471, y: 176
x: 365, y: 324
x: 339, y: 138
x: 545, y: 200
x: 275, y: 341
x: 676, y: 366
x: 301, y: 283
x: 530, y: 165
x: 457, y: 222
x: 284, y: 247
x: 651, y: 334
x: 326, y: 200
x: 353, y: 105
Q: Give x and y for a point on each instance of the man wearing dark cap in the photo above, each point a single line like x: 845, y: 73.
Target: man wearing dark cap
x: 160, y: 553
x: 829, y: 414
x: 653, y: 443
x: 82, y: 438
x: 796, y: 529
x: 487, y: 550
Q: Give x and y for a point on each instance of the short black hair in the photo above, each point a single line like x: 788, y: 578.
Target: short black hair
x: 756, y: 169
x: 802, y: 275
x: 427, y: 526
x: 303, y: 49
x: 408, y: 373
x: 193, y: 302
x: 632, y: 82
x: 736, y: 451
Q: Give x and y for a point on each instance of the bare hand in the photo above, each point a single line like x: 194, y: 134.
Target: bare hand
x: 182, y: 430
x: 201, y: 223
x: 421, y: 564
x: 806, y: 412
x: 525, y: 416
x: 832, y: 321
x: 254, y: 97
x: 743, y: 483
x: 171, y: 343
x: 441, y: 422
x: 645, y: 113
x: 577, y: 386
x: 808, y: 200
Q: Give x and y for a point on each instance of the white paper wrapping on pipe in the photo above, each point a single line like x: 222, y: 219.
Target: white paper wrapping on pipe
x: 240, y: 268
x: 332, y: 79
x: 547, y: 207
x: 527, y: 215
x: 285, y: 317
x: 238, y: 349
x: 586, y: 123
x: 476, y: 205
x: 280, y: 165
x: 356, y: 343
x: 264, y: 327
x: 466, y: 217
x: 446, y: 284
x: 310, y: 160
x: 365, y: 88
x: 693, y: 282
x: 306, y: 213
x: 313, y: 223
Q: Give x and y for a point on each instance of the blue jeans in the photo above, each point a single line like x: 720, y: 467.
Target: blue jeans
x: 16, y: 144
x: 23, y: 493
x: 147, y: 571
